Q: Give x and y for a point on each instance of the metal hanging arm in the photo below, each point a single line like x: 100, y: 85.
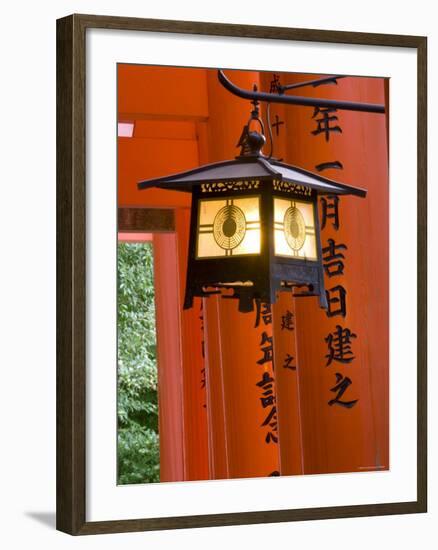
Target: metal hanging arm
x: 298, y: 100
x: 313, y: 83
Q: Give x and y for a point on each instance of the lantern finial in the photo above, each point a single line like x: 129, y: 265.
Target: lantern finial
x: 251, y: 141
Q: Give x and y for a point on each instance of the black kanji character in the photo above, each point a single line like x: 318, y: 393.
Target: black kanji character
x: 339, y: 345
x: 341, y: 386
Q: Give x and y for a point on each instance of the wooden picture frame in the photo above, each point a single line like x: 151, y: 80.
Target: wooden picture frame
x: 71, y: 274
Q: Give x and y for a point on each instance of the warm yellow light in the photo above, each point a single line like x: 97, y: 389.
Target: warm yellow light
x: 294, y: 229
x: 228, y: 227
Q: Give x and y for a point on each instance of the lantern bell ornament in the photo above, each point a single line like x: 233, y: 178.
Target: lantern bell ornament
x: 254, y: 226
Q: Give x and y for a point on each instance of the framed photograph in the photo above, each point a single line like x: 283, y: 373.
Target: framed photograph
x: 241, y: 274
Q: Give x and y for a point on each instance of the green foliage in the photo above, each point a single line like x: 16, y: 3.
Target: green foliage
x: 138, y: 444
x: 139, y: 455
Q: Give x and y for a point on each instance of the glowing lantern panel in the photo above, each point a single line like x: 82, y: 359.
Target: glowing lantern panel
x: 294, y: 229
x: 228, y: 227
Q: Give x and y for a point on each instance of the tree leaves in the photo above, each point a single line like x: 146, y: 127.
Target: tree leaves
x: 137, y: 406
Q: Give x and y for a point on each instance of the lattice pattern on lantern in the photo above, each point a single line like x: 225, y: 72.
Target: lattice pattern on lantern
x: 295, y: 188
x: 229, y: 186
x: 294, y: 229
x: 228, y: 227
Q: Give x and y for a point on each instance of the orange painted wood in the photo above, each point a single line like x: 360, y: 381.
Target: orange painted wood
x: 134, y: 237
x: 287, y: 372
x: 161, y: 92
x: 248, y: 452
x: 164, y: 103
x: 182, y: 412
x: 216, y: 410
x: 144, y: 158
x: 227, y: 114
x: 196, y: 465
x: 169, y: 358
x: 338, y: 439
x: 165, y: 129
x: 286, y: 357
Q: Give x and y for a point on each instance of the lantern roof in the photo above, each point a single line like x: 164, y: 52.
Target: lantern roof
x: 251, y: 168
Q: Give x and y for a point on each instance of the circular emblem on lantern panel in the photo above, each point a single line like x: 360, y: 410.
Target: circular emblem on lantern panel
x: 294, y: 228
x: 229, y: 227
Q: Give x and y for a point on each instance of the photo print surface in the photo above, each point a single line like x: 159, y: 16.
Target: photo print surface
x: 253, y: 275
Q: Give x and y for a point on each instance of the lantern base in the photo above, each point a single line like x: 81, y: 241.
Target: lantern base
x: 247, y: 292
